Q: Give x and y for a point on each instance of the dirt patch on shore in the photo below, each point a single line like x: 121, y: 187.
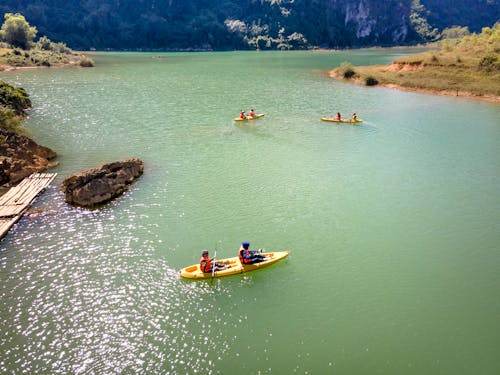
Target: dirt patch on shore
x: 395, y: 67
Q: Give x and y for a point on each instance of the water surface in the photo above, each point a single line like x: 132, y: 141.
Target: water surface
x: 393, y: 224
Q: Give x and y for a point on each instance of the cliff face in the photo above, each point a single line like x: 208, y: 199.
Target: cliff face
x: 240, y: 24
x: 374, y: 22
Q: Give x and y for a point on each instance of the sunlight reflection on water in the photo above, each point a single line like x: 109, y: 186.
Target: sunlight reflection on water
x: 98, y: 299
x: 384, y: 219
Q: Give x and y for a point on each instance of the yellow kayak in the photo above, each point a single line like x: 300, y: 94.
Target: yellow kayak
x: 233, y: 266
x: 344, y: 120
x: 256, y: 117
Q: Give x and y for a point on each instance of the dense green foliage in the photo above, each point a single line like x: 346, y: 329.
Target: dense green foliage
x: 474, y: 47
x: 33, y: 57
x: 472, y: 13
x: 455, y: 32
x: 18, y: 49
x: 346, y: 70
x: 15, y: 98
x: 43, y: 53
x: 244, y: 24
x: 418, y: 19
x: 13, y: 103
x: 17, y: 31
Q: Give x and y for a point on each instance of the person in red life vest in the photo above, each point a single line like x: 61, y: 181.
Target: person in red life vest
x: 242, y: 115
x: 249, y: 256
x: 206, y: 263
x: 252, y: 113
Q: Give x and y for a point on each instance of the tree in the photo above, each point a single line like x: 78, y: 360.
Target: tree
x: 418, y: 20
x: 455, y: 32
x: 17, y: 31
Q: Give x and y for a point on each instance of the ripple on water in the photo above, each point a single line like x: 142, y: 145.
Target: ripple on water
x: 96, y: 299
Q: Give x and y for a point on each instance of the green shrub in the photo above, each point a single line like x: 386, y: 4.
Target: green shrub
x: 489, y: 63
x: 13, y: 102
x: 350, y: 73
x: 62, y: 48
x: 14, y: 98
x: 86, y: 62
x: 346, y: 70
x: 10, y: 121
x: 15, y: 60
x: 371, y: 81
x: 45, y: 44
x: 455, y: 32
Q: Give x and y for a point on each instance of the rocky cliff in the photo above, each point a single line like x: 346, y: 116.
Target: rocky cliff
x: 374, y: 22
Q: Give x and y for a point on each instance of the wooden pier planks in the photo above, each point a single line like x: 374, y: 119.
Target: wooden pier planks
x: 19, y: 198
x: 6, y: 223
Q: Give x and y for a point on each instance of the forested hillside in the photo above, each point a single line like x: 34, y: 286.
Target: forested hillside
x: 472, y: 13
x: 248, y: 24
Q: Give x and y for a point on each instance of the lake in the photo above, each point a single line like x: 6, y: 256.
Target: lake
x: 393, y: 224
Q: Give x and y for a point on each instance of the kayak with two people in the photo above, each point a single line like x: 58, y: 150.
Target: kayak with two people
x: 338, y: 119
x: 251, y: 116
x: 247, y: 260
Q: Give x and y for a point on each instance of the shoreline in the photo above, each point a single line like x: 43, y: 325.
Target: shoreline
x: 456, y: 93
x: 11, y: 68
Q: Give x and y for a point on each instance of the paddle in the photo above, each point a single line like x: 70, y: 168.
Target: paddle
x: 213, y: 264
x: 215, y: 261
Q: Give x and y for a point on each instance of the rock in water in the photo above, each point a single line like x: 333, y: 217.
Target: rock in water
x: 99, y: 185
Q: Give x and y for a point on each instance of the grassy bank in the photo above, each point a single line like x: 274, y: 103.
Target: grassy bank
x: 469, y: 66
x: 13, y: 58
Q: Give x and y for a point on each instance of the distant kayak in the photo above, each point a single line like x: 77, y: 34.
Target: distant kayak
x: 344, y: 120
x: 247, y: 118
x: 233, y: 266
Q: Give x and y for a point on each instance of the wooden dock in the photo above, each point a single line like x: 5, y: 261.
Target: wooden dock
x: 15, y: 202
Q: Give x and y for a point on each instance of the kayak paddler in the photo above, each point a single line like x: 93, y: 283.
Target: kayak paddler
x: 249, y: 256
x: 242, y: 115
x: 206, y: 263
x: 252, y: 113
x: 338, y: 117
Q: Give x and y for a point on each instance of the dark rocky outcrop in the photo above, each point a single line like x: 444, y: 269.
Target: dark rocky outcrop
x: 99, y: 185
x: 20, y: 156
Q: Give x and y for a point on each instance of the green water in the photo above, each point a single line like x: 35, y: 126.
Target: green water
x: 393, y: 224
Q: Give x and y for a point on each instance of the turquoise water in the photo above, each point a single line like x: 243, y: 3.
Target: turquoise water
x: 393, y: 224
